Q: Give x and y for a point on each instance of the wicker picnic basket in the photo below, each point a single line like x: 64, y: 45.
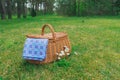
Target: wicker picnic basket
x: 57, y: 43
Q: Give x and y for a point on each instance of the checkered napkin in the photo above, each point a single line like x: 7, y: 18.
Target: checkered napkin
x: 35, y: 49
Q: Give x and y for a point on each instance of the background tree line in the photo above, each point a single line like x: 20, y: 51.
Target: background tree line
x: 88, y: 7
x: 22, y: 8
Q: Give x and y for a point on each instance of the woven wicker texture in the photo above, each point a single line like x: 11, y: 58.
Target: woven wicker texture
x: 58, y: 42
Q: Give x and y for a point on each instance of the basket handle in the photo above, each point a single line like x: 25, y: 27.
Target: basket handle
x: 51, y: 29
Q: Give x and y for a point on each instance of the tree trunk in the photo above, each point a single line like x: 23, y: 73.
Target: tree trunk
x: 19, y: 11
x: 78, y: 8
x: 112, y: 5
x: 24, y: 10
x: 48, y: 6
x: 37, y: 6
x: 2, y: 9
x: 9, y: 9
x: 45, y: 8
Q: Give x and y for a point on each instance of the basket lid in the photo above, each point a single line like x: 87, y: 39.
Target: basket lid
x: 49, y: 35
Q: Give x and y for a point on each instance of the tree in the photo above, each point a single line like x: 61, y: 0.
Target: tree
x: 24, y: 12
x: 49, y: 6
x: 93, y: 7
x: 2, y: 9
x: 9, y: 9
x: 19, y: 8
x: 33, y: 12
x: 66, y: 7
x: 81, y: 8
x: 117, y: 6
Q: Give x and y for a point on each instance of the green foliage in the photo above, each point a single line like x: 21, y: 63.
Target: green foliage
x: 66, y: 7
x: 0, y: 78
x: 81, y: 8
x: 88, y: 7
x: 117, y: 6
x: 117, y: 3
x: 63, y: 63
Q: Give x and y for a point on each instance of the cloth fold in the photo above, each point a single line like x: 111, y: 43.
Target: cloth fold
x: 35, y: 49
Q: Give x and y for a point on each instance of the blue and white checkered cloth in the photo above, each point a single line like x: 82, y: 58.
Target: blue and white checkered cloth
x: 35, y: 49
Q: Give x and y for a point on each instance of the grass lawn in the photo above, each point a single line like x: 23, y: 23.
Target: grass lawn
x: 96, y: 40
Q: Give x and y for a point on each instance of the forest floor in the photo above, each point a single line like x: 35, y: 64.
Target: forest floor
x: 95, y: 49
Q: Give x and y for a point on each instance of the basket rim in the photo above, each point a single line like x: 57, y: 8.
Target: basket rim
x: 47, y: 36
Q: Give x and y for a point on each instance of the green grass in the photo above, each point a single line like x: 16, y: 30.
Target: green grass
x: 96, y: 40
